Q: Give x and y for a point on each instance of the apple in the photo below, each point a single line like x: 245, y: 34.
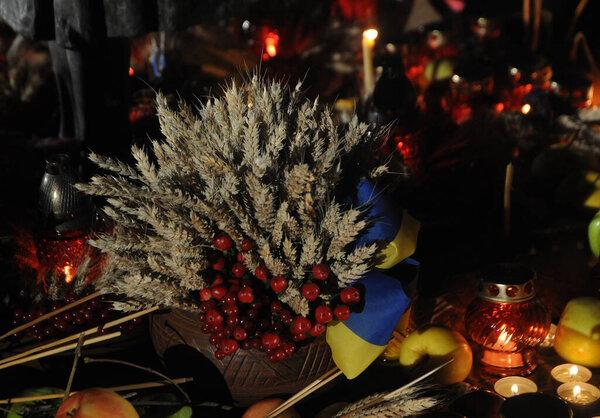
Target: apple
x: 434, y: 345
x: 96, y: 402
x: 577, y: 337
x: 262, y: 408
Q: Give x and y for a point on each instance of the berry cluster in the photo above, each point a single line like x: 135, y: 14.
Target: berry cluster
x: 79, y: 318
x: 240, y: 310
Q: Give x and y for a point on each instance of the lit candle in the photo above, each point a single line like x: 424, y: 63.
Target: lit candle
x: 368, y: 43
x: 571, y: 373
x: 514, y: 385
x: 579, y: 393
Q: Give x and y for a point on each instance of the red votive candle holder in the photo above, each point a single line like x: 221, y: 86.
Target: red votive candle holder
x: 507, y: 321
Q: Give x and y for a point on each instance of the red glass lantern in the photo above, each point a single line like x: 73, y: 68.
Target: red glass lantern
x: 506, y: 321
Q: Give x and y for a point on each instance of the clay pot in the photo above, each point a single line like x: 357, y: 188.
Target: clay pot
x: 249, y: 374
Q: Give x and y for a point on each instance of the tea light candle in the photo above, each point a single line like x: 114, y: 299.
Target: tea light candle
x: 578, y: 393
x: 549, y: 340
x: 514, y: 385
x: 571, y: 373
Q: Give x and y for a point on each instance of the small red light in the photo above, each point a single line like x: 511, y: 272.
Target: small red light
x: 271, y: 44
x: 499, y: 107
x: 130, y: 71
x: 400, y: 145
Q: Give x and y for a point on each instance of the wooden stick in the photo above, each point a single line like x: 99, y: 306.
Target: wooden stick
x: 526, y: 14
x: 75, y: 336
x: 60, y: 350
x: 580, y: 39
x: 578, y: 11
x: 50, y: 315
x: 125, y: 388
x: 537, y: 16
x: 314, y: 386
x: 396, y: 392
x: 508, y: 180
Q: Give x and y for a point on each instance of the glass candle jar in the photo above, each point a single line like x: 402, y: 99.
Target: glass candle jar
x: 506, y: 321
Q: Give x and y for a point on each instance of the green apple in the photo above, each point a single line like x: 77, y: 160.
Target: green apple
x: 577, y: 337
x: 434, y: 345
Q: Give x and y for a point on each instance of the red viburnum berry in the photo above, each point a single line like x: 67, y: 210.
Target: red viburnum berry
x: 261, y: 273
x: 208, y: 305
x: 214, y: 317
x: 247, y: 244
x: 238, y: 269
x: 289, y: 348
x: 229, y: 346
x: 219, y: 355
x: 219, y: 264
x: 218, y: 292
x: 246, y: 294
x: 317, y: 329
x: 218, y: 280
x: 276, y: 306
x: 298, y: 337
x: 350, y: 295
x: 240, y: 256
x: 310, y: 291
x: 270, y: 340
x: 278, y: 284
x: 230, y: 299
x: 240, y: 333
x: 233, y: 320
x: 205, y: 293
x: 342, y: 312
x: 223, y: 242
x: 323, y: 314
x: 321, y: 271
x: 301, y: 325
x: 231, y: 310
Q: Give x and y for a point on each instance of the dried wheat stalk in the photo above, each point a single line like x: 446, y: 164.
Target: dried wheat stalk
x: 261, y: 162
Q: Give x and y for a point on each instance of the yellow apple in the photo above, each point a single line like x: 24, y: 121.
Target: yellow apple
x: 577, y: 337
x: 262, y: 408
x: 434, y: 345
x: 94, y: 403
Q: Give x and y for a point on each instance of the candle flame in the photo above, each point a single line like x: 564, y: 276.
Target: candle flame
x: 576, y: 391
x: 504, y: 338
x: 573, y: 372
x: 68, y: 274
x: 370, y: 34
x: 271, y: 44
x: 526, y: 108
x: 514, y: 389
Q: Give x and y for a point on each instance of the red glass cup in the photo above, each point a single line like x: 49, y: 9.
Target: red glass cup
x: 507, y: 321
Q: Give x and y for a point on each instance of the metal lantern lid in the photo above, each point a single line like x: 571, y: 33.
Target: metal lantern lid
x: 63, y: 206
x: 507, y: 282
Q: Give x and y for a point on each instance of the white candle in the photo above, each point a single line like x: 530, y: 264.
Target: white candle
x: 514, y: 385
x: 571, y: 373
x: 368, y: 43
x: 579, y: 393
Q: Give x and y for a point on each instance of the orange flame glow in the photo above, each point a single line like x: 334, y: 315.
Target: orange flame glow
x: 526, y: 108
x: 68, y: 274
x: 271, y: 44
